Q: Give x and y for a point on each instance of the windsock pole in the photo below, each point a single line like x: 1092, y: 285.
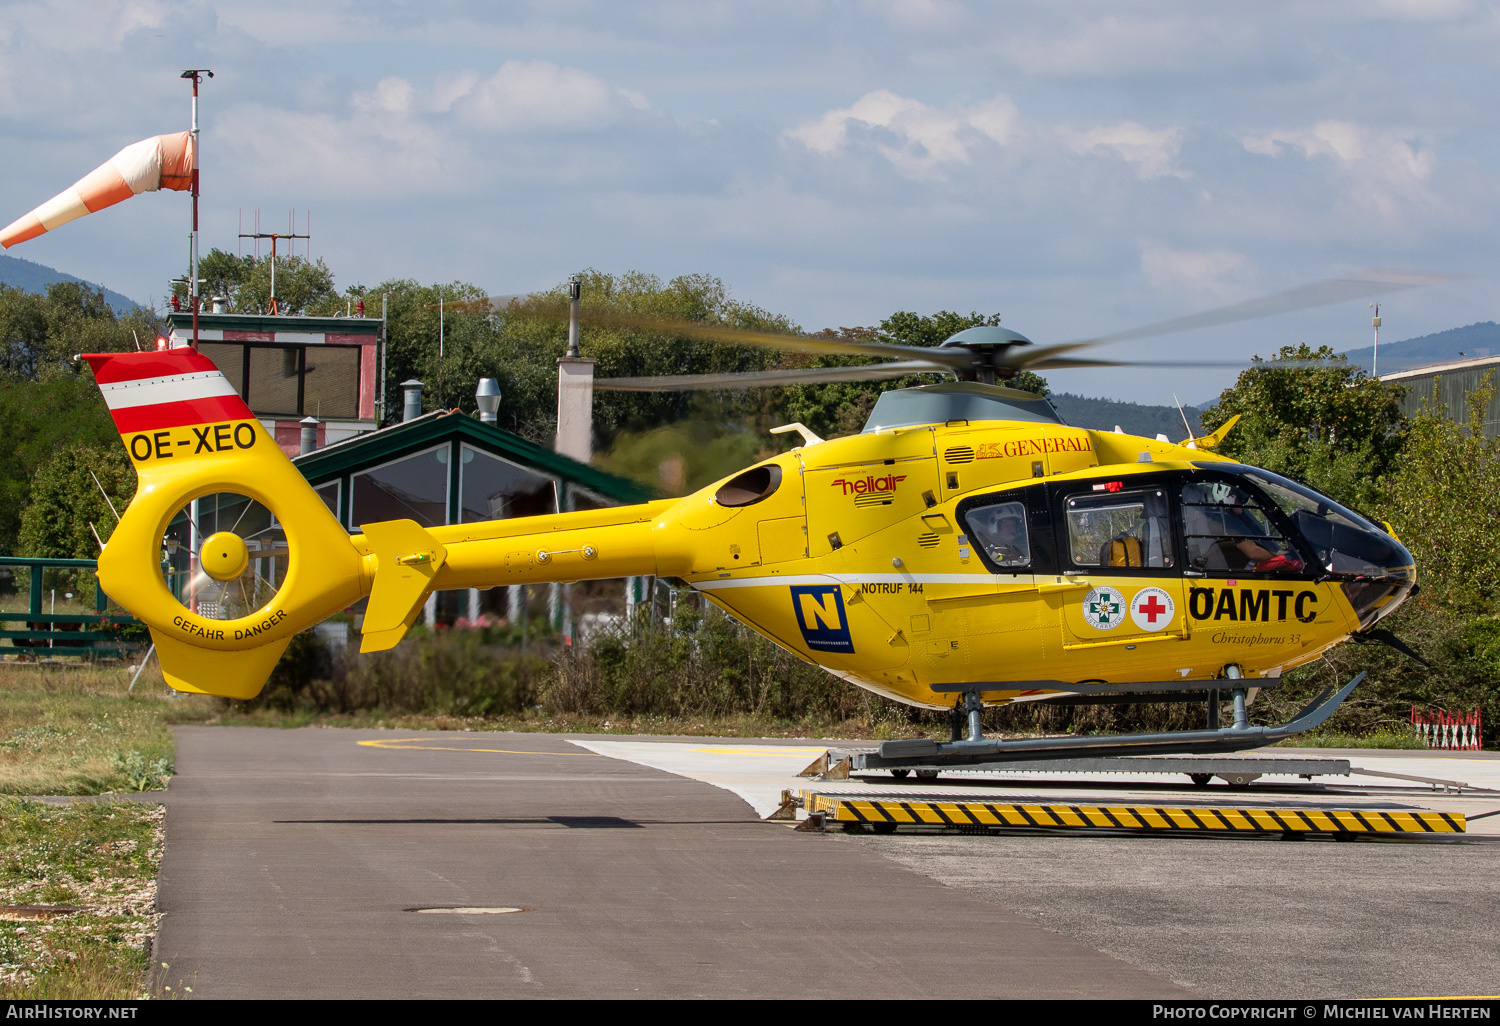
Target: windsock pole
x: 196, y: 75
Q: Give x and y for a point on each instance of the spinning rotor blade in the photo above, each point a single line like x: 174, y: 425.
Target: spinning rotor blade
x: 955, y: 359
x: 489, y: 304
x: 1303, y: 297
x: 557, y: 307
x: 1069, y: 362
x: 758, y: 379
x: 1003, y: 360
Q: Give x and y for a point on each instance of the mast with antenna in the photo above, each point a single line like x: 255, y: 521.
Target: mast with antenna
x: 274, y: 236
x: 196, y: 76
x: 1375, y: 359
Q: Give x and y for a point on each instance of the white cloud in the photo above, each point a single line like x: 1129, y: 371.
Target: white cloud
x: 1150, y: 150
x: 541, y: 96
x: 1423, y: 10
x: 376, y: 151
x: 1383, y: 170
x: 916, y: 138
x: 1215, y: 272
x: 390, y: 95
x: 1111, y: 46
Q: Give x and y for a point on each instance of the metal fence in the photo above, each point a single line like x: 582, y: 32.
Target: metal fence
x: 31, y: 626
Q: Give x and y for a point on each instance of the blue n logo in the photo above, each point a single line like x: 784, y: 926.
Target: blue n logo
x: 820, y: 614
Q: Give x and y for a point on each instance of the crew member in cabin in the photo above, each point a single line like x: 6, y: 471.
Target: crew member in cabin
x: 1227, y: 531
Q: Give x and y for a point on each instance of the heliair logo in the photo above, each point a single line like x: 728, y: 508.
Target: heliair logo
x: 1104, y: 608
x: 869, y: 484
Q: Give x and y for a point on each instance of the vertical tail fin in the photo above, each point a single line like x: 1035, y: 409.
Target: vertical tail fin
x: 190, y: 435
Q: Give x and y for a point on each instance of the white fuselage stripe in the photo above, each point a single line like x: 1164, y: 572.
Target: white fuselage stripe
x: 177, y: 388
x: 773, y: 581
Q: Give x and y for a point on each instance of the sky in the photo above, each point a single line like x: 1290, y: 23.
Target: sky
x: 1078, y: 168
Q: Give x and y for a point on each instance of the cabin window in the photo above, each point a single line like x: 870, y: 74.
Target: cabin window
x: 412, y: 488
x: 1120, y: 529
x: 492, y: 489
x: 328, y: 491
x: 1000, y: 530
x: 1227, y: 530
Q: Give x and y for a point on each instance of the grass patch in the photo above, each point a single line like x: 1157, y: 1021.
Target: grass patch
x: 74, y: 729
x: 100, y: 856
x: 1397, y: 736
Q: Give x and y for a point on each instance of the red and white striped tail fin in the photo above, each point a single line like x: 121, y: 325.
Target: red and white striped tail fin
x: 151, y: 394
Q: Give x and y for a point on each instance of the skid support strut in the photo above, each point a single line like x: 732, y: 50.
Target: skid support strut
x: 1241, y: 715
x: 967, y: 711
x: 1242, y: 735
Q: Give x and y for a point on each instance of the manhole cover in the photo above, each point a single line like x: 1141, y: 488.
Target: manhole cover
x: 469, y: 910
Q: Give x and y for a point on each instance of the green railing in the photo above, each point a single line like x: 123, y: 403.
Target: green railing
x: 29, y: 592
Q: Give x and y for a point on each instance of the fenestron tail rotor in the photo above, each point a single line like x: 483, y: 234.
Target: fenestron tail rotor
x: 225, y: 556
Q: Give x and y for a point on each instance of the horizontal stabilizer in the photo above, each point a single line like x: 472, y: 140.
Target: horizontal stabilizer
x: 409, y: 559
x: 1212, y: 441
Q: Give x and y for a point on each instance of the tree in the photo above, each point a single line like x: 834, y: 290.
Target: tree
x: 1444, y: 502
x: 66, y: 506
x: 47, y: 401
x: 520, y: 346
x: 40, y: 334
x: 302, y: 286
x: 1335, y: 427
x: 37, y: 420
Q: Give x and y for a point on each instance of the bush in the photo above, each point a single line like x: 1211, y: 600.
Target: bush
x: 460, y: 672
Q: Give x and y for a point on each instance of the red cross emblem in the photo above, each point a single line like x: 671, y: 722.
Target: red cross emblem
x: 1152, y: 609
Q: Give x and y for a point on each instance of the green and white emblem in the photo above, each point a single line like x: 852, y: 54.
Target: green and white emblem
x: 1105, y: 608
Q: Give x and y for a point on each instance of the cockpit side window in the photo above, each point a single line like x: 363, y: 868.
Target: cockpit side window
x: 1000, y: 531
x: 1343, y: 541
x: 1227, y: 530
x: 1119, y: 529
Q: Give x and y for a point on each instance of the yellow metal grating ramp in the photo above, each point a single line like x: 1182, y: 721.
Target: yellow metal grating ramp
x: 931, y: 810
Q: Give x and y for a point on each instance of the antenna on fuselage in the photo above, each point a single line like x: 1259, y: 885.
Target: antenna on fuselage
x: 1183, y: 415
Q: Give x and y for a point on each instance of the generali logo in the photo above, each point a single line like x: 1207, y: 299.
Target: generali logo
x: 869, y: 484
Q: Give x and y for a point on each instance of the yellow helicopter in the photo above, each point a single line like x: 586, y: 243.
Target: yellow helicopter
x: 967, y: 548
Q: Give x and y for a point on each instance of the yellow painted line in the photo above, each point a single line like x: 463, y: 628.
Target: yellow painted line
x: 409, y: 745
x: 772, y: 750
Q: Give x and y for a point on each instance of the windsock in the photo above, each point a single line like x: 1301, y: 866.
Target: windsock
x: 161, y: 162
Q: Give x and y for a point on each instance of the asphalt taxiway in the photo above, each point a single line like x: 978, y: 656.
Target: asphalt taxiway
x: 641, y: 867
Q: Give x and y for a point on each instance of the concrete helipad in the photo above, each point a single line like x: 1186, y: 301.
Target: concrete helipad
x: 298, y: 863
x: 1380, y: 795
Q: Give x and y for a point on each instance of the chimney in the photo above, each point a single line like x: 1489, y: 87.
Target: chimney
x: 488, y: 398
x: 219, y: 304
x: 309, y: 435
x: 411, y: 408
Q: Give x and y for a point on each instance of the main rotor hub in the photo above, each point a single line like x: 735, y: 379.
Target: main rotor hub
x: 988, y: 343
x: 224, y: 556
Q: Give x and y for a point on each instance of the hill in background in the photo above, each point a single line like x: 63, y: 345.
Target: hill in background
x: 1467, y: 343
x: 1134, y: 418
x: 31, y: 277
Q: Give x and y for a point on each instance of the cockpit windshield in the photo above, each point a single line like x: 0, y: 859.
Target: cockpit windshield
x: 1344, y: 541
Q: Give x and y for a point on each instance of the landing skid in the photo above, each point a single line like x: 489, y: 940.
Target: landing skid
x: 977, y: 749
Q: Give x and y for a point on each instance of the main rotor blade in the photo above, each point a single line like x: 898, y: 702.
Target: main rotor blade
x: 955, y: 358
x: 1070, y: 362
x: 489, y: 304
x: 760, y: 379
x: 556, y: 308
x: 1304, y: 297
